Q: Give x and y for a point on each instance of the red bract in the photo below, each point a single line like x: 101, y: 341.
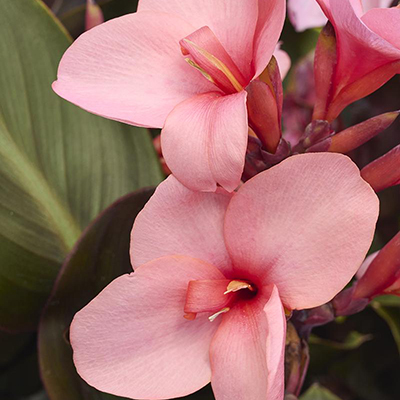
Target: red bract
x: 293, y: 236
x: 380, y: 273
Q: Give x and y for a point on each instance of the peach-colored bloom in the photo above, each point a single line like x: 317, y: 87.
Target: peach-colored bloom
x: 236, y: 259
x: 182, y: 66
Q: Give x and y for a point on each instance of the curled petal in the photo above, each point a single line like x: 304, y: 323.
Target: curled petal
x: 304, y: 225
x: 384, y: 172
x: 232, y: 21
x: 204, y: 141
x: 134, y: 331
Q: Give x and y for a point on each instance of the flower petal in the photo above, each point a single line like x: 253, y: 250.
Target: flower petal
x: 243, y: 367
x: 271, y: 17
x: 284, y: 61
x: 177, y: 220
x: 130, y: 69
x: 384, y: 22
x: 132, y: 339
x: 204, y: 141
x: 360, y: 50
x: 304, y: 225
x: 232, y: 21
x: 305, y: 14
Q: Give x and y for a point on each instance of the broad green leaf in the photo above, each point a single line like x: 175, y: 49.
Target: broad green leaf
x: 391, y: 314
x: 317, y: 392
x: 59, y: 166
x: 100, y: 255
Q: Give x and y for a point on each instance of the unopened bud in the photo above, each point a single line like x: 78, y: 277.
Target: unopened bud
x: 383, y: 274
x: 383, y: 172
x: 357, y: 135
x: 94, y: 15
x: 264, y: 106
x: 296, y: 361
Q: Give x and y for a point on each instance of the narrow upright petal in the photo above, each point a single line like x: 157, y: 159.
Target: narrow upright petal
x: 132, y: 340
x: 130, y: 69
x: 204, y: 141
x: 271, y: 17
x: 232, y: 21
x: 304, y: 225
x: 177, y: 220
x: 244, y: 367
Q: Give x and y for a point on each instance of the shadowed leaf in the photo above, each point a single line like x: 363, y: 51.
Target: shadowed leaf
x: 60, y: 166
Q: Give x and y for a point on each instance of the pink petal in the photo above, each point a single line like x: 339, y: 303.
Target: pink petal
x: 276, y: 341
x: 385, y: 22
x: 369, y: 4
x: 284, y: 61
x: 243, y: 365
x: 271, y: 17
x: 364, y: 266
x: 304, y: 225
x: 204, y: 141
x: 207, y: 52
x: 132, y: 339
x: 178, y: 221
x: 360, y: 50
x: 232, y: 21
x: 305, y: 14
x: 130, y: 69
x: 207, y: 296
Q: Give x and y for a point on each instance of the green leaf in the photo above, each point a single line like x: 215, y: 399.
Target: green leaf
x: 353, y: 341
x: 100, y: 255
x: 317, y: 392
x: 60, y: 166
x: 392, y: 317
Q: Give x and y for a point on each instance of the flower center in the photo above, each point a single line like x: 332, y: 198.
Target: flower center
x: 206, y: 53
x: 216, y: 296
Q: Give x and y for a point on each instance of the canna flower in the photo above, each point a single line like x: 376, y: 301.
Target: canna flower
x: 357, y: 58
x: 182, y: 66
x: 214, y: 273
x: 305, y: 14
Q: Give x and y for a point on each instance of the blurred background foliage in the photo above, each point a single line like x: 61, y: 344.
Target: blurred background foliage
x: 60, y: 167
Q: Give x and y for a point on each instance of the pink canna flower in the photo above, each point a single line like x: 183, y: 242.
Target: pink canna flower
x: 305, y: 14
x: 213, y: 274
x: 366, y: 54
x: 182, y: 66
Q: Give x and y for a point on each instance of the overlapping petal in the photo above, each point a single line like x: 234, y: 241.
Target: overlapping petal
x: 232, y: 21
x: 177, y: 220
x: 132, y: 339
x: 271, y: 17
x: 131, y: 69
x: 243, y: 368
x: 304, y: 225
x: 204, y: 141
x: 360, y: 49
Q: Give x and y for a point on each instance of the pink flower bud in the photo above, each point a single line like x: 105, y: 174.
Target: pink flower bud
x: 94, y: 15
